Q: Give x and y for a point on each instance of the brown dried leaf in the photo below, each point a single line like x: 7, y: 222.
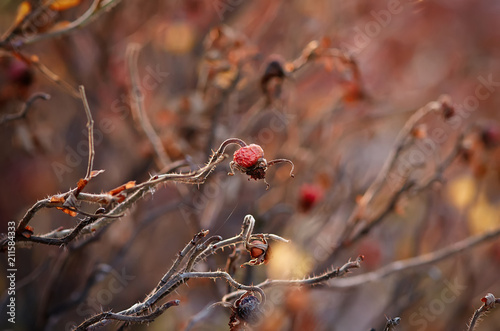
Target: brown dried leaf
x: 57, y: 198
x: 60, y: 26
x: 94, y: 173
x: 60, y: 5
x: 82, y: 183
x: 70, y: 212
x: 120, y: 188
x: 28, y: 231
x: 23, y: 10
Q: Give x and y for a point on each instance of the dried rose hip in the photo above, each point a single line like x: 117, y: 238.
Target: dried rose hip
x: 248, y: 156
x: 249, y: 159
x: 245, y: 311
x: 259, y: 251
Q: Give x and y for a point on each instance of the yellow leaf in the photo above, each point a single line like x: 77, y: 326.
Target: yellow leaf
x: 60, y: 5
x: 180, y: 38
x: 23, y: 10
x: 288, y: 261
x: 483, y: 216
x: 461, y: 191
x: 60, y: 26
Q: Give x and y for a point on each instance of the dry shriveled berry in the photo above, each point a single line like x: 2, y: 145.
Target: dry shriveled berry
x: 245, y: 311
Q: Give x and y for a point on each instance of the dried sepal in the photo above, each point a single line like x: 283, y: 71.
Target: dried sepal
x: 259, y: 250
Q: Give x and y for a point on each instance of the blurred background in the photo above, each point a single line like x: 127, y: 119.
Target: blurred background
x: 206, y: 74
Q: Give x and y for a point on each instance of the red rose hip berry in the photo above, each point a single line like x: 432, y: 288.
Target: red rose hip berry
x: 248, y: 156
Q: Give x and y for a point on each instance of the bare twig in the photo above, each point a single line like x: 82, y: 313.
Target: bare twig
x: 418, y: 261
x: 204, y: 314
x: 96, y: 8
x: 25, y: 108
x: 310, y: 281
x: 90, y: 127
x: 44, y: 70
x: 137, y: 103
x: 131, y: 319
x: 182, y: 254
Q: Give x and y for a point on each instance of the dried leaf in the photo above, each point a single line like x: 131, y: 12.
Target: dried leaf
x: 28, y: 231
x: 120, y: 188
x: 57, y: 198
x: 120, y: 198
x: 94, y: 173
x: 23, y: 10
x: 71, y: 213
x: 81, y: 184
x: 84, y: 181
x: 60, y: 5
x: 60, y: 26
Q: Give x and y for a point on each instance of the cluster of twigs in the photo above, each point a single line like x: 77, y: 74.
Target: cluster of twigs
x: 182, y: 270
x: 113, y: 204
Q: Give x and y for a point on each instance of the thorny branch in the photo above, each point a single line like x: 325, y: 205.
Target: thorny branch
x: 310, y: 281
x: 96, y: 8
x: 102, y: 317
x: 418, y: 261
x: 174, y: 278
x: 489, y: 302
x: 115, y: 203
